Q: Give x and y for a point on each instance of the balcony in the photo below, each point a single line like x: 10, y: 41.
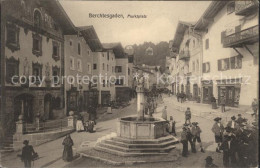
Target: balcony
x: 184, y: 55
x: 246, y: 7
x: 244, y: 37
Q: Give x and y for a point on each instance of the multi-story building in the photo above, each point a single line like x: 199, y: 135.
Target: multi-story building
x: 104, y: 64
x: 32, y: 44
x: 187, y: 45
x: 230, y: 34
x: 79, y: 55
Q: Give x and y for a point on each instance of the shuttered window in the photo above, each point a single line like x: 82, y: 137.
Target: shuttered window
x: 223, y: 35
x: 219, y: 65
x: 233, y: 62
x: 207, y: 44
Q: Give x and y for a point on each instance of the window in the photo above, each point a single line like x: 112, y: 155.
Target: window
x: 107, y: 83
x: 118, y: 69
x: 112, y: 69
x: 79, y: 49
x: 88, y: 52
x: 55, y: 75
x: 207, y: 44
x: 193, y: 66
x: 79, y: 65
x: 37, y: 18
x: 37, y: 45
x: 107, y: 67
x: 223, y: 35
x: 94, y: 66
x: 129, y: 71
x: 108, y: 55
x: 55, y: 51
x: 89, y: 68
x: 103, y: 66
x: 230, y: 8
x: 12, y: 41
x: 206, y: 67
x: 119, y: 82
x: 12, y: 69
x: 103, y: 54
x: 197, y: 65
x: 236, y: 62
x: 72, y: 63
x: 37, y: 72
x: 70, y: 43
x: 104, y: 83
x: 223, y: 64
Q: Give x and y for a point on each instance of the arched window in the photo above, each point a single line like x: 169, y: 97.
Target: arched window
x: 37, y: 18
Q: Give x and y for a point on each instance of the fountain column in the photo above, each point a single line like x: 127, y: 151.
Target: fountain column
x: 140, y: 102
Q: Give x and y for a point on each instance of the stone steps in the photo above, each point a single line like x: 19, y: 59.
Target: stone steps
x: 137, y: 150
x: 120, y: 153
x: 137, y: 147
x: 145, y: 141
x: 147, y: 145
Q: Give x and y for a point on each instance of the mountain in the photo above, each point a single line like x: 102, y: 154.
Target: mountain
x: 151, y: 54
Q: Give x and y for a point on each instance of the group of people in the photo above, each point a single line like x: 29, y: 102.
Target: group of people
x: 89, y: 124
x: 238, y: 141
x: 191, y: 134
x: 181, y: 97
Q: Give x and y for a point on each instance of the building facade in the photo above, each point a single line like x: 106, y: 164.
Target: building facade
x: 32, y: 58
x: 230, y: 36
x: 79, y: 57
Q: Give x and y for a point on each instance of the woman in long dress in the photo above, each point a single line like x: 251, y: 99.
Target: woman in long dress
x: 79, y: 124
x: 67, y: 152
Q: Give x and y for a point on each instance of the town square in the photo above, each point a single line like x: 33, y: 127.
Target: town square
x: 129, y: 83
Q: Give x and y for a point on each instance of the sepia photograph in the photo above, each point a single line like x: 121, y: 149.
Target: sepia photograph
x: 129, y: 84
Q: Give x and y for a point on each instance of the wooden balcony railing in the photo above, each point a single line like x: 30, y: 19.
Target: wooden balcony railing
x: 246, y: 36
x: 245, y: 7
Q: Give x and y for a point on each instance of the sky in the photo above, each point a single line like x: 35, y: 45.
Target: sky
x: 160, y: 24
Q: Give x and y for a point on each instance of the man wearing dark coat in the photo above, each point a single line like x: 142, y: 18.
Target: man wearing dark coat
x: 67, y: 152
x: 229, y: 149
x: 209, y: 162
x: 218, y: 130
x: 27, y: 154
x: 241, y: 135
x: 239, y: 119
x: 184, y: 142
x: 233, y: 124
x: 222, y: 103
x: 190, y: 138
x: 195, y: 131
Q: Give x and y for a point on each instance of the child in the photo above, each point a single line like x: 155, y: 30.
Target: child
x: 172, y: 126
x: 187, y: 115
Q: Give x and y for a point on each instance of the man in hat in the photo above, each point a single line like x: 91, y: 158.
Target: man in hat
x: 209, y: 162
x: 241, y: 135
x: 239, y: 119
x: 233, y: 124
x: 254, y: 145
x: 184, y: 142
x: 218, y: 130
x: 195, y: 131
x: 187, y: 115
x: 229, y: 148
x: 190, y: 137
x: 27, y: 154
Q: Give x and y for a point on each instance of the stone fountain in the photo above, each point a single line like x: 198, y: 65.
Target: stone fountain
x: 139, y: 135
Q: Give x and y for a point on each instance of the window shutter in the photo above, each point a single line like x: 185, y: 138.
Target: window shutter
x: 207, y: 44
x: 204, y: 68
x: 219, y: 65
x: 227, y: 62
x: 223, y: 35
x: 232, y: 62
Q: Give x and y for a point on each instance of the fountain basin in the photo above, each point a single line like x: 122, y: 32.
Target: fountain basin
x: 148, y: 128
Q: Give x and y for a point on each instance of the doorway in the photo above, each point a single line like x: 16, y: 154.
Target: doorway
x: 48, y: 113
x: 23, y: 105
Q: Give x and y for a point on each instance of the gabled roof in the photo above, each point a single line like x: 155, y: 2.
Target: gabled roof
x: 117, y: 48
x: 178, y: 37
x: 90, y: 36
x: 209, y: 14
x: 56, y: 10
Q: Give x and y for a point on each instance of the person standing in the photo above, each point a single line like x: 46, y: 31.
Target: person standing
x: 233, y: 124
x: 67, y: 152
x: 79, y: 123
x: 172, y: 126
x: 239, y: 119
x: 195, y: 131
x: 164, y: 113
x: 187, y: 115
x: 255, y: 109
x: 222, y: 103
x: 218, y: 130
x: 209, y: 162
x: 229, y: 149
x: 27, y: 154
x: 190, y: 137
x: 184, y: 142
